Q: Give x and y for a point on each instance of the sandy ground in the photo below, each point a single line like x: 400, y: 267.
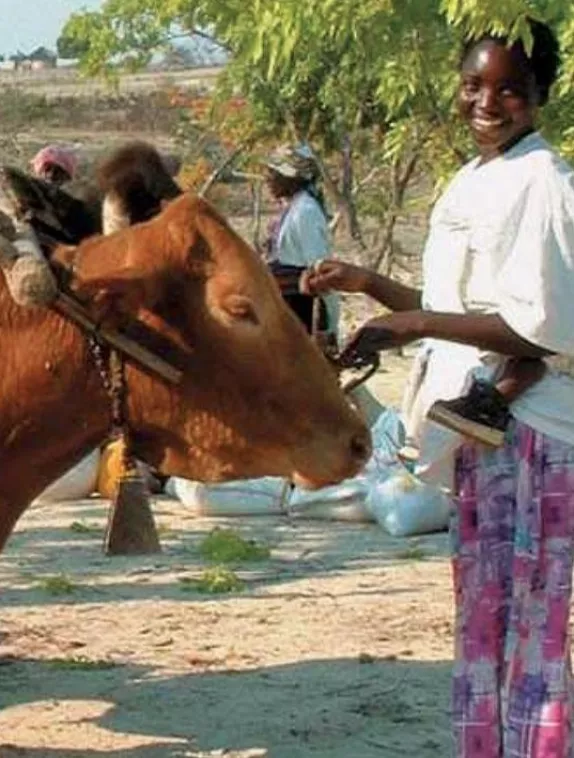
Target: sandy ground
x: 339, y: 645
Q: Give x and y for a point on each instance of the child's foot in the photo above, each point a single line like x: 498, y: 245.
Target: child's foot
x: 482, y: 414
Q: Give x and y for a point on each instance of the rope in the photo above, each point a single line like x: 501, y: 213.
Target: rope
x: 111, y: 369
x: 355, y: 362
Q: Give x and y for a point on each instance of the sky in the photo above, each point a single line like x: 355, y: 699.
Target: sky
x: 27, y: 24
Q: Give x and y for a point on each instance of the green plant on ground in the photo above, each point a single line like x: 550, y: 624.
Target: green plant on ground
x: 79, y: 527
x: 214, y: 581
x: 412, y: 552
x: 227, y: 546
x: 80, y: 663
x: 57, y: 585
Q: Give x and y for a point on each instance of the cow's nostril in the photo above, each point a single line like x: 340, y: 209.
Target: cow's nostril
x: 360, y: 446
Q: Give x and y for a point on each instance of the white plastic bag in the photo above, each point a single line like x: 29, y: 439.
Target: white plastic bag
x: 242, y: 497
x: 397, y: 499
x: 342, y: 502
x: 405, y: 506
x: 78, y: 482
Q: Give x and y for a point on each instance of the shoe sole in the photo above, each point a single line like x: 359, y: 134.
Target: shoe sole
x: 472, y: 429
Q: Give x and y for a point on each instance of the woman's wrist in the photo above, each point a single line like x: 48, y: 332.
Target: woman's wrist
x: 372, y: 284
x: 390, y: 293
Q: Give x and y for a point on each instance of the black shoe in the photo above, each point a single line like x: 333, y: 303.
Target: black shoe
x: 482, y: 414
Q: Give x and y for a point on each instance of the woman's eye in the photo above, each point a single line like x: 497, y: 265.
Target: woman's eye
x: 241, y: 308
x: 470, y: 87
x: 512, y: 91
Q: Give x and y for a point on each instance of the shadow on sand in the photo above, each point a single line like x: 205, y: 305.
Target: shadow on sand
x: 339, y: 708
x: 48, y: 545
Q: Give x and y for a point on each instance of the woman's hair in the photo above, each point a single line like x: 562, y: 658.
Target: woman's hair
x: 544, y: 58
x: 291, y: 185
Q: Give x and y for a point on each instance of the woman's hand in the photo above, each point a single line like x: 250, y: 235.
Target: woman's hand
x: 383, y: 333
x: 328, y: 275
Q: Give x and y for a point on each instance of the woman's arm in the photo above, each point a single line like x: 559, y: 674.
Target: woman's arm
x: 485, y: 331
x: 331, y: 275
x: 392, y: 294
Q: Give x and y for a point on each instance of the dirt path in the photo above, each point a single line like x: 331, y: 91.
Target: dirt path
x: 339, y: 645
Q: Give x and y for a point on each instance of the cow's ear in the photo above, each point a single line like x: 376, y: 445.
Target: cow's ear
x: 109, y: 275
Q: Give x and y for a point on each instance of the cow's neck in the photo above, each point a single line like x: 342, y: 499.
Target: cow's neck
x: 53, y: 408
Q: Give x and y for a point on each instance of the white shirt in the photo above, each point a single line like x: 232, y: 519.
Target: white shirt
x: 303, y: 235
x: 501, y: 240
x: 303, y: 239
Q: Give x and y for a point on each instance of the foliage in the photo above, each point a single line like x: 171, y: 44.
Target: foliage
x: 178, y: 56
x: 227, y: 546
x: 81, y: 663
x: 412, y: 552
x: 371, y: 83
x: 79, y: 527
x: 216, y: 580
x: 69, y: 47
x: 58, y: 585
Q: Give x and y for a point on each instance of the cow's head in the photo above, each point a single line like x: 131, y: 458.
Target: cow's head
x: 258, y: 398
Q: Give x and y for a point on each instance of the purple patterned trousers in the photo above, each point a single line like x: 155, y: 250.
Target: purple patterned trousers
x: 513, y: 544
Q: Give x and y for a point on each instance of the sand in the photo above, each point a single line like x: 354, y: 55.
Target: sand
x: 339, y: 645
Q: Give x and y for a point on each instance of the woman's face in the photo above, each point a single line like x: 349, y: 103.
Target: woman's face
x: 54, y: 174
x: 279, y: 185
x: 497, y: 95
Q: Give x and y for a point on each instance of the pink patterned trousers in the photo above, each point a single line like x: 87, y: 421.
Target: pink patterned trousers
x: 513, y: 544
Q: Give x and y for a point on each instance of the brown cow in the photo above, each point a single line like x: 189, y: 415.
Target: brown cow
x: 258, y: 398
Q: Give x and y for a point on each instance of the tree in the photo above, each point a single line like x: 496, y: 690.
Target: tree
x: 179, y: 56
x: 370, y: 82
x: 68, y: 47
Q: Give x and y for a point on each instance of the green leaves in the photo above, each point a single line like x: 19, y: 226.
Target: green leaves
x: 381, y: 74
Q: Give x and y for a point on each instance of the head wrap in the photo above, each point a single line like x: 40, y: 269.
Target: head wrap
x: 55, y: 155
x: 294, y: 162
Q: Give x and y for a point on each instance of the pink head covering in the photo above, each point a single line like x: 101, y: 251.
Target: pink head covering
x: 56, y: 155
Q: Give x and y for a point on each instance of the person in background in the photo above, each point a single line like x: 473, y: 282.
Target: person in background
x: 299, y: 236
x: 56, y: 164
x: 498, y: 271
x: 28, y: 274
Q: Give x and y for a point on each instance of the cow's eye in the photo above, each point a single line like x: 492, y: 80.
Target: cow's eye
x: 241, y: 308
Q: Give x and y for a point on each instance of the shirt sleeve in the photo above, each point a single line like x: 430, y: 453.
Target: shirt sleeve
x: 536, y: 282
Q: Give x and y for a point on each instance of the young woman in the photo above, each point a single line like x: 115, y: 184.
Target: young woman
x: 499, y: 278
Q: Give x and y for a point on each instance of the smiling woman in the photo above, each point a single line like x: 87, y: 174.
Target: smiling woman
x: 498, y: 281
